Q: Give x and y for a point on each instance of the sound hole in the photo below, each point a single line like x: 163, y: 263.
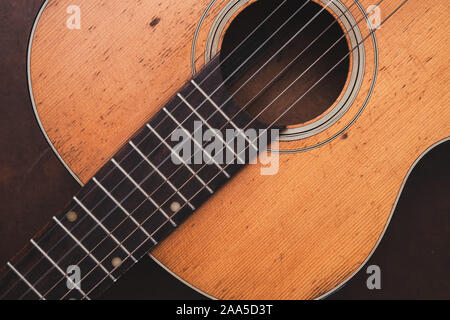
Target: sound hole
x: 260, y: 97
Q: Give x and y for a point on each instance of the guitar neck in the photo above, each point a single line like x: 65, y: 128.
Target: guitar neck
x: 138, y: 198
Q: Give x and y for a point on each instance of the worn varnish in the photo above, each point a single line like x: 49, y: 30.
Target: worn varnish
x: 298, y: 234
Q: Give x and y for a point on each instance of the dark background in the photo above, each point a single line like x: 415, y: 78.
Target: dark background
x: 414, y: 255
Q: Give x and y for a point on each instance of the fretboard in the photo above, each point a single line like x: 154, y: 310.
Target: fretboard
x: 136, y: 200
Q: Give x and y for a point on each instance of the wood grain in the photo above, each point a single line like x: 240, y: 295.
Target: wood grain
x: 295, y: 235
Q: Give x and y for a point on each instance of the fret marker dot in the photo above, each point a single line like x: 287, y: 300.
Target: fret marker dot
x: 116, y: 262
x: 175, y: 206
x: 72, y: 216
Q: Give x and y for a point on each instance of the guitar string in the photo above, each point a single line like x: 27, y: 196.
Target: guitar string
x: 299, y: 99
x: 287, y: 110
x: 198, y: 107
x: 165, y: 118
x: 323, y: 32
x: 203, y: 81
x: 124, y: 240
x: 313, y: 41
x: 162, y: 121
x: 340, y: 62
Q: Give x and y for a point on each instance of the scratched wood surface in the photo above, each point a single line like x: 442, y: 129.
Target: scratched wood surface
x: 297, y: 234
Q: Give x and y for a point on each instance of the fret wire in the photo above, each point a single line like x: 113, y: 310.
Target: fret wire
x: 226, y: 58
x: 250, y: 143
x: 101, y: 281
x: 219, y: 109
x: 161, y: 226
x: 155, y: 168
x: 58, y: 268
x: 238, y: 112
x: 265, y: 130
x: 92, y: 189
x: 205, y: 186
x: 63, y: 257
x: 90, y: 214
x: 103, y: 227
x: 155, y: 232
x: 107, y: 231
x: 145, y: 194
x: 189, y: 168
x: 225, y: 144
x: 25, y: 281
x: 158, y: 229
x: 196, y: 142
x: 127, y: 252
x: 84, y: 248
x: 127, y: 256
x: 118, y: 204
x: 130, y: 254
x: 194, y: 90
x: 115, y: 268
x: 206, y: 123
x: 229, y: 77
x: 329, y: 71
x: 260, y: 47
x: 217, y: 67
x: 297, y: 58
x: 119, y: 244
x: 222, y: 62
x: 98, y: 263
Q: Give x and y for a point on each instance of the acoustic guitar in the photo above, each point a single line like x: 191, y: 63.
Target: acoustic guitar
x: 256, y: 149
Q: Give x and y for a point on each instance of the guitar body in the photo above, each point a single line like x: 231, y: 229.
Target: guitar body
x: 299, y: 234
